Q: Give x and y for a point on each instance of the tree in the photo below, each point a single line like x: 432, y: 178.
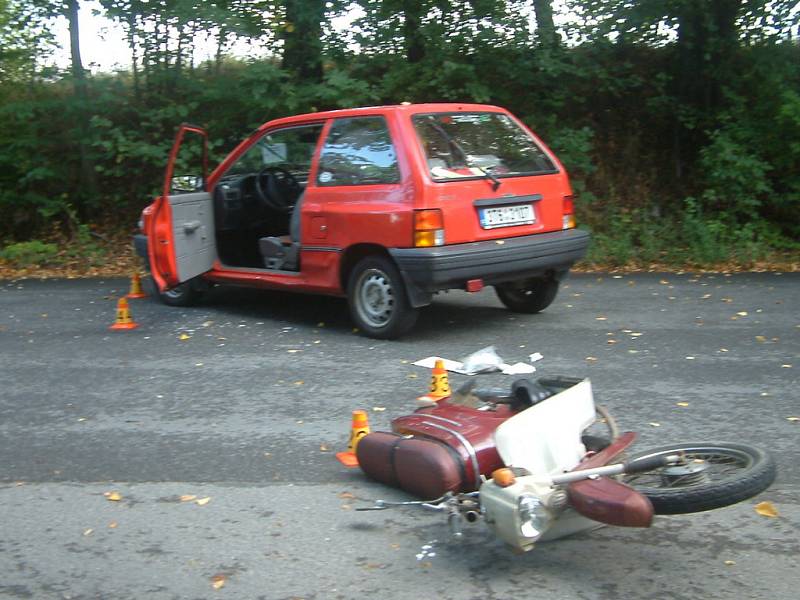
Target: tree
x: 302, y: 39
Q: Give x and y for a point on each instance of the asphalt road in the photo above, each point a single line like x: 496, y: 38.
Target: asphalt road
x: 244, y: 399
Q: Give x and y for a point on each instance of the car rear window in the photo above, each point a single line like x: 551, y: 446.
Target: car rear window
x: 461, y: 145
x: 358, y: 151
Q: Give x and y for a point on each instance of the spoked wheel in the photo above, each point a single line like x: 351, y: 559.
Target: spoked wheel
x: 711, y: 475
x: 378, y: 301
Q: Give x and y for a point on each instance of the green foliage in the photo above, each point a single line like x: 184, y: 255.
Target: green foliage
x: 26, y: 254
x: 679, y: 125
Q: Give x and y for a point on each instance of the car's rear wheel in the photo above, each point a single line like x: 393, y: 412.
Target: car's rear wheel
x: 378, y: 300
x: 527, y: 295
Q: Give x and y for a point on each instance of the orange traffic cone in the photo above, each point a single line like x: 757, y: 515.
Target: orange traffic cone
x: 124, y: 320
x: 359, y: 429
x: 440, y: 384
x: 136, y: 288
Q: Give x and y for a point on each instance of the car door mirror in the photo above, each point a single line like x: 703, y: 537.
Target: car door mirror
x: 186, y: 184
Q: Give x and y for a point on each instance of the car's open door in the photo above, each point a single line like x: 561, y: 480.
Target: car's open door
x: 181, y: 243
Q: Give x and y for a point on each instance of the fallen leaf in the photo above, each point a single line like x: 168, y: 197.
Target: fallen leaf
x: 742, y: 313
x: 293, y: 351
x: 323, y: 448
x: 411, y: 376
x: 88, y: 531
x: 113, y: 496
x: 655, y: 424
x: 767, y: 509
x: 730, y: 563
x: 378, y: 408
x: 611, y: 341
x: 187, y: 497
x: 761, y: 338
x: 183, y: 337
x: 203, y: 501
x: 793, y: 419
x: 682, y: 403
x: 218, y: 581
x: 663, y: 282
x: 591, y: 359
x: 346, y: 496
x: 786, y: 366
x: 601, y: 318
x: 301, y: 382
x: 112, y: 525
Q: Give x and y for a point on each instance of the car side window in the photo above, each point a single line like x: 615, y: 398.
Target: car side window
x: 289, y: 149
x: 358, y: 151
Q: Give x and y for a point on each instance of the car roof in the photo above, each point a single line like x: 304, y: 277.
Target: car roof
x: 406, y: 108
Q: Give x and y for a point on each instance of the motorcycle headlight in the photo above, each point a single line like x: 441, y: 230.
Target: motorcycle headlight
x: 533, y: 516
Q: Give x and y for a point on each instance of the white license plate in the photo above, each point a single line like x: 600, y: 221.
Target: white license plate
x: 506, y: 216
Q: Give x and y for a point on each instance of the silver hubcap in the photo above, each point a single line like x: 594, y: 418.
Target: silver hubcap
x: 375, y: 299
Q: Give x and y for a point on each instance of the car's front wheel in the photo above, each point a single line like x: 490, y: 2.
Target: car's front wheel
x: 527, y: 295
x: 378, y: 300
x: 185, y: 294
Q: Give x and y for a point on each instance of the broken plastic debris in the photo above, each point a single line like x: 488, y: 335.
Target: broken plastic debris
x: 483, y: 363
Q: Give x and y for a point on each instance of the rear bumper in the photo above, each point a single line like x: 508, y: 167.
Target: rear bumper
x: 428, y: 270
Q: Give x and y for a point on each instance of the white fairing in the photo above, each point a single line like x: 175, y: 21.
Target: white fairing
x: 546, y: 438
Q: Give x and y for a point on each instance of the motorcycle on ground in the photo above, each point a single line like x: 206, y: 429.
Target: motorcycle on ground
x: 530, y: 464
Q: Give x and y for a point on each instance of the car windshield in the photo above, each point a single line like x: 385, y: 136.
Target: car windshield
x: 460, y: 145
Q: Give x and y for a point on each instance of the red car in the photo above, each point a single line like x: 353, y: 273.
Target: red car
x: 385, y: 205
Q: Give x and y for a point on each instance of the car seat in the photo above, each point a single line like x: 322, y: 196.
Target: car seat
x: 282, y: 253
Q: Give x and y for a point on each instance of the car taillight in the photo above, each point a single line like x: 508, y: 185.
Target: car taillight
x: 428, y: 227
x: 568, y: 221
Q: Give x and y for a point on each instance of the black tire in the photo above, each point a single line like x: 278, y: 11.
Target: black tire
x: 731, y: 473
x: 527, y: 295
x: 378, y: 300
x: 185, y: 294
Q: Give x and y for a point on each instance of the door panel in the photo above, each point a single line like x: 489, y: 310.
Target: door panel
x: 193, y: 234
x: 181, y: 243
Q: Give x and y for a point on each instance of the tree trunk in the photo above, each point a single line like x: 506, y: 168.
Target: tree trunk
x: 302, y: 39
x: 412, y: 36
x: 545, y: 27
x: 87, y: 183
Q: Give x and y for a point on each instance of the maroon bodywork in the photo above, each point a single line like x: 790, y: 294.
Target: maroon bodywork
x: 606, y: 500
x: 448, y: 447
x: 437, y: 449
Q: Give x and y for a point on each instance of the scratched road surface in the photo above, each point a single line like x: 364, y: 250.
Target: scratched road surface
x: 244, y: 399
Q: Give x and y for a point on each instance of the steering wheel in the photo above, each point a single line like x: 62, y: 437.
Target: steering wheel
x: 277, y: 188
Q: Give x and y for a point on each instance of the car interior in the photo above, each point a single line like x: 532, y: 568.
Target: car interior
x: 257, y: 201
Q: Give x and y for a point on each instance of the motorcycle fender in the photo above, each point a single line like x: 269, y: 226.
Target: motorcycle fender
x: 611, y: 502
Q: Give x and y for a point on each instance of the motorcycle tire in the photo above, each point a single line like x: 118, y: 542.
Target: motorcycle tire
x: 729, y: 473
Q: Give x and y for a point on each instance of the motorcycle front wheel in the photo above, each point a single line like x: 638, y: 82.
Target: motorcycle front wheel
x: 711, y: 475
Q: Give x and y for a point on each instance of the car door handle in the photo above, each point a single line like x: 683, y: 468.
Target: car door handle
x: 191, y: 226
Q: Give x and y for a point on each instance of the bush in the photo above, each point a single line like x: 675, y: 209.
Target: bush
x: 27, y: 254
